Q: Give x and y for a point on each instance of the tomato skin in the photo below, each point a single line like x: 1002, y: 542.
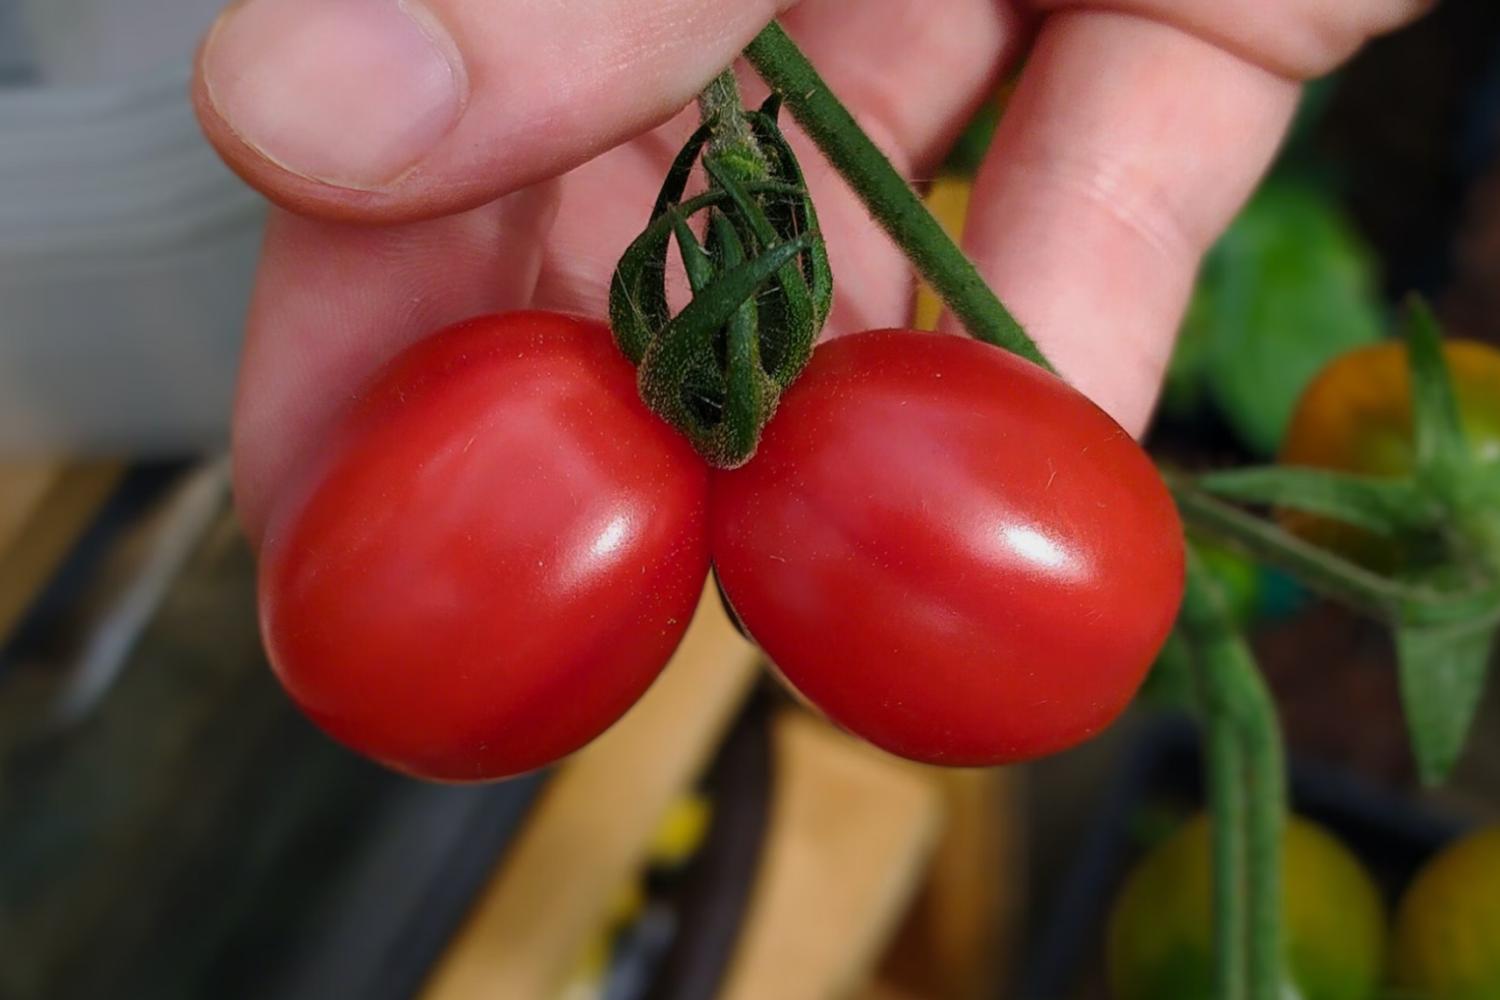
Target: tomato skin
x: 950, y: 552
x: 494, y: 558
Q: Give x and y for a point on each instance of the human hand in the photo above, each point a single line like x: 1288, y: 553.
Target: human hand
x: 439, y: 159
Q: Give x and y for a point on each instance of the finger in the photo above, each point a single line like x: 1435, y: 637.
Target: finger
x: 333, y: 302
x: 402, y: 109
x: 1125, y: 150
x: 1299, y: 39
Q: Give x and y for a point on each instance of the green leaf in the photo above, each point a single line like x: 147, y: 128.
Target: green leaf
x: 1381, y: 505
x: 1289, y: 287
x: 1443, y: 669
x: 1436, y: 425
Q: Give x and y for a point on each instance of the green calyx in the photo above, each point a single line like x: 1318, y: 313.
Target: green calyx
x: 760, y: 282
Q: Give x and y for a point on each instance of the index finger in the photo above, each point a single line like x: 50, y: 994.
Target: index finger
x: 1126, y: 148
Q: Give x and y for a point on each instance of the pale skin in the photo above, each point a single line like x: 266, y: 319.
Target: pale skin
x: 438, y: 159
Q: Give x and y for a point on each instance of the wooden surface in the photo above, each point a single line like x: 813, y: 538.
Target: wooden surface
x: 856, y: 836
x: 591, y: 829
x: 44, y: 507
x: 954, y: 943
x: 851, y: 831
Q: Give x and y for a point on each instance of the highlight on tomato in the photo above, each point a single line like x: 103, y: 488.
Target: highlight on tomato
x: 494, y: 556
x: 949, y: 551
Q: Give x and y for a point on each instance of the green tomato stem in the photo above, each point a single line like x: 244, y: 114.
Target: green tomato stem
x: 1226, y: 804
x: 887, y: 196
x: 1265, y: 825
x: 730, y: 135
x: 1328, y: 573
x: 1246, y: 792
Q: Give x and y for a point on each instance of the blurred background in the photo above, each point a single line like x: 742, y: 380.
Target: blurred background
x: 171, y: 827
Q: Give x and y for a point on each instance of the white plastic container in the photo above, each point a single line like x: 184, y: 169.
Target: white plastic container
x: 126, y: 247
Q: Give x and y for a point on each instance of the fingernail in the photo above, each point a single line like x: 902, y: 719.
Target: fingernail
x: 352, y: 93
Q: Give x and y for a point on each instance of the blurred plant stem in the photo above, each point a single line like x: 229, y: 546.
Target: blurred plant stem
x: 1246, y: 793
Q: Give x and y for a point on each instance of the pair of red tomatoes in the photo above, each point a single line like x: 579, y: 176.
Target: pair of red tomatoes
x: 947, y: 550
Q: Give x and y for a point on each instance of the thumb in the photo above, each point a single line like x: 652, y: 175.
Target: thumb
x: 387, y: 110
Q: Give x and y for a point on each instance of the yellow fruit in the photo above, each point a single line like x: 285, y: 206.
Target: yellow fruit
x: 1160, y: 944
x: 1448, y: 923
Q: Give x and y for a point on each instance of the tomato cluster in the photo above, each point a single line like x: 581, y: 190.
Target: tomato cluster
x: 949, y: 551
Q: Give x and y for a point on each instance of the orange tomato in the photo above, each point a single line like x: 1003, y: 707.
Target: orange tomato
x: 1356, y: 416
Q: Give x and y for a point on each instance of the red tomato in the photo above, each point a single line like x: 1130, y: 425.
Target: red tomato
x: 495, y: 557
x: 949, y: 551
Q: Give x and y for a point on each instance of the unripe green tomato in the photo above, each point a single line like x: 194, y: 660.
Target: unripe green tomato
x: 1160, y: 943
